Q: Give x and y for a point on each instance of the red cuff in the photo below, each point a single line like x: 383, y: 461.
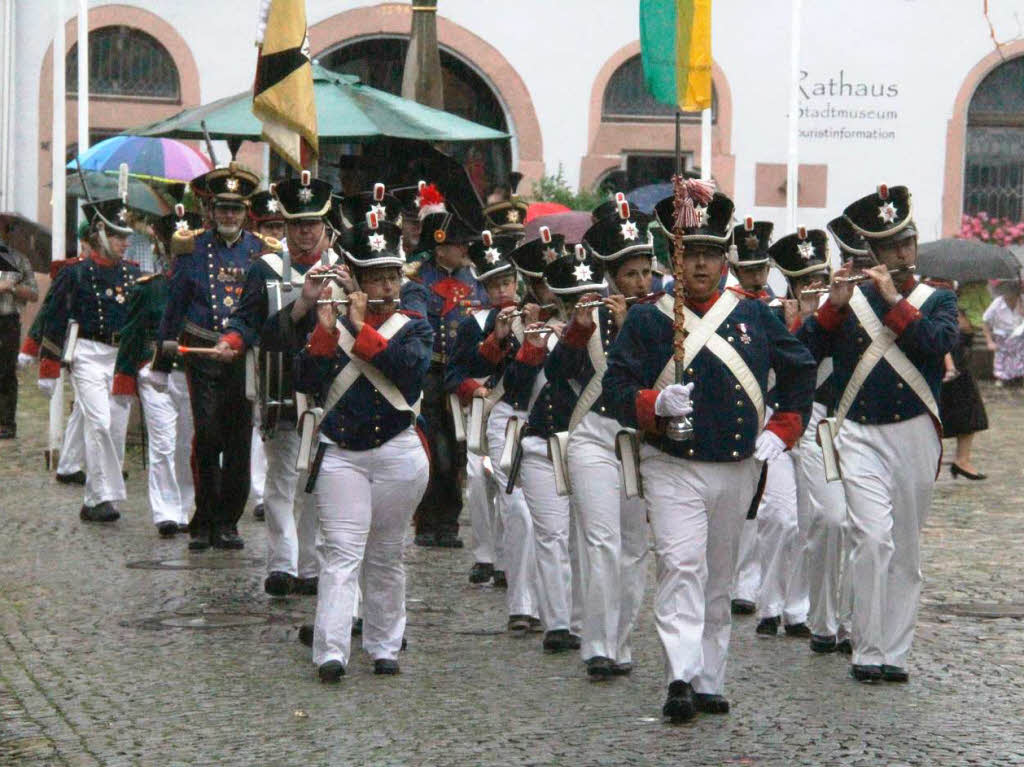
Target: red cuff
x: 787, y: 426
x: 369, y: 343
x: 30, y: 347
x: 645, y: 417
x: 797, y: 324
x: 531, y: 355
x: 831, y: 318
x: 492, y: 349
x: 234, y: 340
x: 49, y: 368
x: 577, y: 335
x: 465, y: 390
x: 323, y: 342
x: 123, y: 384
x: 900, y: 316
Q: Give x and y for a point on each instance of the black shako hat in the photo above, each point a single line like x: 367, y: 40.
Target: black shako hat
x: 114, y: 214
x: 886, y: 214
x: 750, y: 242
x: 490, y: 255
x: 264, y: 207
x: 715, y: 225
x: 228, y: 184
x: 577, y: 272
x: 619, y: 236
x: 804, y: 252
x: 851, y: 244
x: 178, y: 221
x: 533, y: 256
x: 304, y: 197
x: 372, y: 243
x: 387, y: 206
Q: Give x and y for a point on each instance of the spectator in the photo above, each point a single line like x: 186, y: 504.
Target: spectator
x: 17, y: 288
x: 1004, y: 334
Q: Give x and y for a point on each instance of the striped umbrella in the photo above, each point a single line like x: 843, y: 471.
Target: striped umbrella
x: 158, y: 159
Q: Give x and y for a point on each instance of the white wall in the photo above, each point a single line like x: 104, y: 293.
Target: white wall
x: 924, y: 48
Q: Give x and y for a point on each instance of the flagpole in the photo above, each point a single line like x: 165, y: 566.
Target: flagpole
x: 58, y: 149
x: 83, y: 79
x: 679, y: 145
x: 793, y: 159
x: 705, y: 144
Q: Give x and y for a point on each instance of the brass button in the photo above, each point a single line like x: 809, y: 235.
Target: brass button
x: 863, y: 418
x: 690, y: 451
x: 738, y: 387
x: 897, y: 416
x: 739, y: 420
x: 899, y: 385
x: 739, y: 403
x: 729, y: 339
x: 735, y: 454
x: 737, y: 437
x: 602, y: 408
x: 689, y: 371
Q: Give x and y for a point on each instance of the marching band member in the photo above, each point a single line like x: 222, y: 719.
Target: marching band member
x: 614, y: 529
x: 276, y: 314
x: 94, y: 293
x: 440, y: 288
x: 782, y: 589
x: 887, y: 338
x: 697, y: 489
x: 469, y: 374
x: 167, y: 413
x: 367, y: 369
x: 207, y: 281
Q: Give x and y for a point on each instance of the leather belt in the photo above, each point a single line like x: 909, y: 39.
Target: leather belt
x: 111, y: 339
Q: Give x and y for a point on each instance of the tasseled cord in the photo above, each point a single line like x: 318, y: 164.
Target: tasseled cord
x: 688, y: 193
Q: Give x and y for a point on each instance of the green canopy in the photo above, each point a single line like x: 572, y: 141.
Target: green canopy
x: 347, y: 111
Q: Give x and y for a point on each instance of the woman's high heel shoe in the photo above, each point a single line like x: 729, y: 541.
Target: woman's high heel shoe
x: 956, y: 471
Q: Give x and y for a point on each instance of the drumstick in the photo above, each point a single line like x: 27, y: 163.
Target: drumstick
x: 171, y: 348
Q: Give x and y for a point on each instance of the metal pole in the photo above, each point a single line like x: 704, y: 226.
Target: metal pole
x: 58, y: 149
x: 705, y: 144
x: 6, y: 100
x: 83, y: 81
x: 793, y: 159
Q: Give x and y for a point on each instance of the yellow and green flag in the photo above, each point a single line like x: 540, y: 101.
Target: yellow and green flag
x: 675, y: 41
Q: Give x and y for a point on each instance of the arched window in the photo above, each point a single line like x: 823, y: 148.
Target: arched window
x: 626, y: 98
x: 994, y: 168
x: 126, y: 63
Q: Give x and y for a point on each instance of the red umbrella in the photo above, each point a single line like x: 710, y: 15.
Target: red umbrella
x: 543, y: 209
x: 570, y: 223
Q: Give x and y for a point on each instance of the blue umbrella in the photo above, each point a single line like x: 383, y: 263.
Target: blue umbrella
x: 644, y: 198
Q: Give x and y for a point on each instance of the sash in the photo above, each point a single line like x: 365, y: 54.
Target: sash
x: 281, y: 292
x: 598, y: 361
x: 357, y: 368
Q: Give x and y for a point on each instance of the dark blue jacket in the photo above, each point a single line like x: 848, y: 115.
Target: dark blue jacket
x: 252, y: 310
x: 569, y: 360
x: 441, y: 296
x: 557, y: 398
x: 925, y: 336
x: 724, y: 418
x: 363, y: 419
x: 466, y: 368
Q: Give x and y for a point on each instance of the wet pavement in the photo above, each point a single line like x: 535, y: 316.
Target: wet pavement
x: 117, y: 647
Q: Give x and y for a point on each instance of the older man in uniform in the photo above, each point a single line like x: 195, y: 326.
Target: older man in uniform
x: 887, y: 338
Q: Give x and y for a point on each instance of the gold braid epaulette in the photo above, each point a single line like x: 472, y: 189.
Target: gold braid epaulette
x: 183, y: 241
x: 412, y: 271
x: 273, y: 244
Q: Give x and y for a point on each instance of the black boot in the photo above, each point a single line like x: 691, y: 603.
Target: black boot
x: 331, y: 672
x: 679, y: 706
x: 279, y: 584
x: 101, y: 512
x: 226, y: 537
x: 711, y: 704
x: 481, y: 572
x: 768, y: 627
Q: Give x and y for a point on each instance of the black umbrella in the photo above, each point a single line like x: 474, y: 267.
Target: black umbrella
x: 966, y: 261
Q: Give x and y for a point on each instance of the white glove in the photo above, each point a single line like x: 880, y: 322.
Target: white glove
x: 47, y: 386
x: 145, y: 374
x: 674, y: 400
x: 769, y: 446
x: 155, y: 378
x: 24, y: 360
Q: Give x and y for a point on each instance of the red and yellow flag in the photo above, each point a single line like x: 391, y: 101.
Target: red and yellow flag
x: 282, y: 94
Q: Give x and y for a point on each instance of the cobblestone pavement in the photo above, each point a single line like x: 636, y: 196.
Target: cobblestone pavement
x: 89, y: 675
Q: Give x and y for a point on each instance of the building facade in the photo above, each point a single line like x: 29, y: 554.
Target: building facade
x: 907, y: 91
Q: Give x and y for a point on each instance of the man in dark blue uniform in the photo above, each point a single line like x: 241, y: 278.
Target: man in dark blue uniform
x: 441, y: 288
x: 207, y: 282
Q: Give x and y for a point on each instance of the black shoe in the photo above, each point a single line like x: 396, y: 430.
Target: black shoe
x: 768, y: 627
x: 823, y: 644
x: 845, y: 647
x: 711, y: 704
x: 518, y: 624
x: 622, y: 669
x: 599, y: 668
x: 895, y: 674
x: 259, y: 513
x: 385, y: 667
x: 75, y: 478
x: 279, y: 584
x: 866, y: 674
x: 183, y: 527
x: 306, y: 587
x: 481, y: 572
x: 331, y: 672
x: 797, y: 630
x: 535, y: 626
x: 556, y: 641
x: 8, y: 432
x: 956, y: 471
x: 168, y: 529
x: 101, y: 512
x: 425, y: 539
x: 448, y: 541
x: 574, y: 642
x: 742, y: 607
x: 357, y: 627
x: 500, y: 582
x: 199, y: 539
x: 680, y: 706
x: 306, y: 634
x: 226, y: 538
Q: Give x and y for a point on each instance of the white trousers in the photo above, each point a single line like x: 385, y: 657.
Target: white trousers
x: 72, y: 451
x: 823, y: 505
x: 551, y: 523
x: 747, y: 580
x: 483, y: 515
x: 105, y: 421
x: 365, y: 500
x: 169, y: 433
x: 257, y: 462
x: 614, y: 538
x: 291, y: 512
x: 696, y: 511
x: 517, y: 526
x: 888, y: 475
x: 781, y: 547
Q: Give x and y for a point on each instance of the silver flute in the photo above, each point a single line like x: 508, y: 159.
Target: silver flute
x: 521, y: 312
x: 347, y: 301
x: 854, y: 279
x: 600, y: 302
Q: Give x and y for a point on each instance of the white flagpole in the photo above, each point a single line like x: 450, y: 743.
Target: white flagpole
x: 83, y: 76
x: 58, y: 148
x: 705, y: 144
x: 793, y: 159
